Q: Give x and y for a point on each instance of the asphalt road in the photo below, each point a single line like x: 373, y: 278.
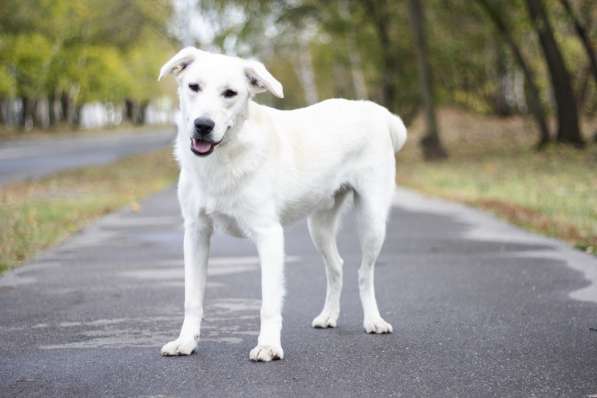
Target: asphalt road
x: 479, y: 309
x: 34, y: 158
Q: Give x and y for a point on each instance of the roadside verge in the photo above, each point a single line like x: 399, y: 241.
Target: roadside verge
x: 40, y: 213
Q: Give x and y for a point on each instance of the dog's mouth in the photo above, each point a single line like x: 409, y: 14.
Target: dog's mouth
x: 202, y: 147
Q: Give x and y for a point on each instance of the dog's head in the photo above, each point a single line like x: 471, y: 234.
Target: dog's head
x: 214, y: 92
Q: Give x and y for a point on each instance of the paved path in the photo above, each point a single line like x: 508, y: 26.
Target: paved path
x: 479, y: 309
x: 34, y: 158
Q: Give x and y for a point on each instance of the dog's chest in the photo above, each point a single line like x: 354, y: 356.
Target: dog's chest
x: 224, y: 216
x: 228, y: 225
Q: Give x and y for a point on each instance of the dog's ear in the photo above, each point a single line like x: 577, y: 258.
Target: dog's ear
x: 261, y: 80
x: 179, y: 62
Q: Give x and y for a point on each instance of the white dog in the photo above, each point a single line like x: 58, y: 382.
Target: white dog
x: 250, y: 169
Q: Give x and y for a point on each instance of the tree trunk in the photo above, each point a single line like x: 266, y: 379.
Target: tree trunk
x: 568, y: 124
x: 534, y: 99
x: 379, y: 13
x: 26, y: 120
x: 581, y: 31
x: 388, y: 69
x: 76, y: 116
x: 141, y: 112
x: 129, y: 110
x: 36, y: 120
x: 65, y: 107
x: 23, y: 112
x: 501, y: 103
x: 356, y: 71
x: 52, y: 109
x: 431, y: 144
x: 306, y: 72
x: 3, y: 118
x: 355, y: 60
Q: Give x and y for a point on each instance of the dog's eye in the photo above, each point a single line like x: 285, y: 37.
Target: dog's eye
x: 229, y: 93
x: 194, y: 87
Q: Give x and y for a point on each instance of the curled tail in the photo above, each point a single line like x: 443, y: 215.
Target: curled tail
x: 397, y: 131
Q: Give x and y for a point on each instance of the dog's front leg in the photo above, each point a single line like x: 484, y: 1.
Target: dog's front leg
x: 270, y: 245
x: 196, y: 251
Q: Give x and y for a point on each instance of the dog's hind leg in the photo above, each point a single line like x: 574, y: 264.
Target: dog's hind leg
x: 323, y: 226
x: 372, y: 207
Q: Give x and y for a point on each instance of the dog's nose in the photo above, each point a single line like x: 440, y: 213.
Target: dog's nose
x: 203, y: 125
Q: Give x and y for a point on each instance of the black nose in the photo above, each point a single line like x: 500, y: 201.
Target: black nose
x: 203, y: 126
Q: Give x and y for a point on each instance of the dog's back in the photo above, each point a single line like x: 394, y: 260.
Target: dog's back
x: 317, y: 150
x: 340, y: 125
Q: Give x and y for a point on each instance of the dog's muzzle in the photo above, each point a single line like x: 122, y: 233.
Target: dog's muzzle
x: 201, y: 143
x: 202, y: 147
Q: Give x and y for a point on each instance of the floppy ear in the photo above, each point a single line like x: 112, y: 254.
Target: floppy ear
x: 261, y: 80
x: 179, y: 62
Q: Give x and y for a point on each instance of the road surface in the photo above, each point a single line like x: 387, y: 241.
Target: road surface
x: 479, y: 309
x: 34, y: 158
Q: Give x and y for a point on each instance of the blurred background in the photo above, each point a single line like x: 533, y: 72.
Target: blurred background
x: 88, y: 63
x: 499, y: 96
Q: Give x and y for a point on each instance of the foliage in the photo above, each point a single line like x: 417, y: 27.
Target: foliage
x: 109, y: 50
x: 26, y: 58
x: 92, y: 50
x: 7, y: 83
x: 464, y: 49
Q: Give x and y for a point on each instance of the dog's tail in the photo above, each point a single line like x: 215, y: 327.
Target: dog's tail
x: 397, y: 131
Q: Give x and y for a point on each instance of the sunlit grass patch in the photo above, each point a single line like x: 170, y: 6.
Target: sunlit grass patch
x: 37, y: 214
x: 553, y: 192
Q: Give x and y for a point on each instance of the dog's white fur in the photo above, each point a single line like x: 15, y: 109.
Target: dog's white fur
x: 271, y: 168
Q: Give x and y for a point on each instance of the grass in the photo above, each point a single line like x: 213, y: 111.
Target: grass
x: 493, y: 166
x: 37, y: 214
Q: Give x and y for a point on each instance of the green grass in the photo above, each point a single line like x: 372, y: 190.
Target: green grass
x: 40, y: 213
x: 493, y: 166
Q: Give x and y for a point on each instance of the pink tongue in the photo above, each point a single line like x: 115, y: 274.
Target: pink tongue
x: 201, y: 146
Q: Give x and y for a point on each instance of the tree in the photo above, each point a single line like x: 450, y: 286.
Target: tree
x: 568, y: 123
x: 379, y: 13
x: 305, y: 69
x: 430, y: 143
x: 534, y: 98
x: 581, y: 31
x: 141, y: 62
x: 6, y: 90
x: 27, y: 59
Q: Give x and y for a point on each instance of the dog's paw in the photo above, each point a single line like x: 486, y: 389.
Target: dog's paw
x: 377, y: 326
x: 180, y: 346
x: 266, y: 353
x: 324, y: 320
